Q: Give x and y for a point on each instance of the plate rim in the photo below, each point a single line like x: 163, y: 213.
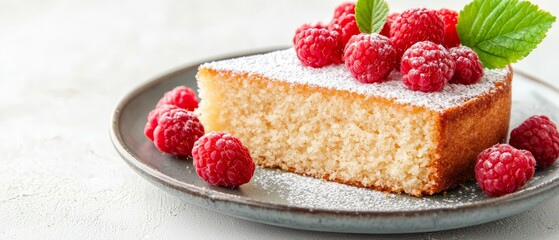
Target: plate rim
x: 195, y: 191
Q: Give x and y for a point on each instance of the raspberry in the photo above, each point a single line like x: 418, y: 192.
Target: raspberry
x: 389, y: 20
x: 426, y: 67
x: 539, y: 135
x: 307, y: 26
x: 318, y: 47
x: 153, y: 117
x: 344, y: 8
x: 469, y: 69
x: 182, y: 97
x: 221, y: 159
x: 450, y: 19
x: 416, y: 25
x: 346, y: 25
x: 370, y: 58
x: 176, y: 132
x: 502, y: 169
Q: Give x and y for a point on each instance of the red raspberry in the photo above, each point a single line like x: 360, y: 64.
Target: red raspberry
x: 182, y: 97
x: 416, y: 25
x: 539, y: 135
x: 346, y: 25
x: 450, y: 19
x: 221, y: 159
x: 389, y: 20
x: 502, y: 169
x: 319, y: 47
x: 176, y: 132
x: 307, y: 26
x: 370, y: 58
x: 344, y: 8
x: 153, y: 117
x: 427, y: 67
x: 469, y: 69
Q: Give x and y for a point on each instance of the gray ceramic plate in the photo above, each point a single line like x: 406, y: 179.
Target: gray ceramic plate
x: 289, y: 200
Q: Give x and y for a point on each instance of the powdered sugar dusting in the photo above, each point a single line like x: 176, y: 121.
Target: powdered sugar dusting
x: 312, y: 193
x: 284, y: 66
x: 308, y: 192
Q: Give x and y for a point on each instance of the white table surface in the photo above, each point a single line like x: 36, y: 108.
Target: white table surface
x: 65, y: 64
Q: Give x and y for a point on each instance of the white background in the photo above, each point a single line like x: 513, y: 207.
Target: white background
x: 65, y: 64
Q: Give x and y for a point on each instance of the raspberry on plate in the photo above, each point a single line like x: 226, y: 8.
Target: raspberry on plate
x: 319, y: 47
x: 469, y: 69
x: 416, y: 25
x: 180, y: 96
x: 346, y: 25
x: 153, y: 117
x: 344, y: 8
x: 369, y: 58
x: 450, y: 19
x: 539, y: 135
x: 176, y: 132
x: 426, y: 67
x: 221, y: 159
x: 307, y: 26
x: 502, y: 169
x: 389, y: 20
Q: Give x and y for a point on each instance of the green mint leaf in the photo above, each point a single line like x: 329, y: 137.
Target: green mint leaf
x: 502, y: 31
x: 371, y: 15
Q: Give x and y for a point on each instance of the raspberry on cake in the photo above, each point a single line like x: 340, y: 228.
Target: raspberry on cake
x: 344, y: 8
x: 427, y: 67
x: 469, y: 69
x: 389, y: 20
x: 416, y: 25
x: 326, y: 124
x: 306, y: 26
x: 319, y: 47
x: 346, y: 26
x: 450, y: 19
x: 370, y: 58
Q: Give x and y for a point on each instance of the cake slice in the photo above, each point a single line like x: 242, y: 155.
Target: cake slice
x: 325, y: 124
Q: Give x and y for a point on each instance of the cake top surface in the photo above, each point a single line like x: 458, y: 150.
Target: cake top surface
x: 284, y: 66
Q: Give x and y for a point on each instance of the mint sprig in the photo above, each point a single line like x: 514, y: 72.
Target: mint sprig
x: 371, y: 15
x: 502, y: 31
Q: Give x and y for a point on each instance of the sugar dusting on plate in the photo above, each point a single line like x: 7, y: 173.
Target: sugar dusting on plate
x: 284, y: 66
x: 312, y: 193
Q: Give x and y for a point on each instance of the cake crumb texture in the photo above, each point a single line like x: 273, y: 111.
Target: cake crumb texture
x: 367, y: 140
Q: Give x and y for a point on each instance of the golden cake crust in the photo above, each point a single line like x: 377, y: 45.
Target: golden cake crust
x: 468, y: 130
